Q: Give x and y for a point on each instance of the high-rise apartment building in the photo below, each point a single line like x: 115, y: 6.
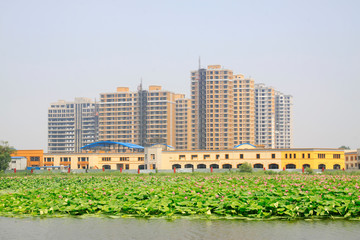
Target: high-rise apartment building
x: 183, y: 122
x: 225, y: 110
x: 222, y: 109
x: 283, y: 120
x: 119, y: 116
x: 244, y: 110
x: 143, y: 117
x: 71, y: 125
x: 264, y: 116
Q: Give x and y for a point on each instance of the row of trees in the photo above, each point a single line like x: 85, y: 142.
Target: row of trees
x: 5, y: 155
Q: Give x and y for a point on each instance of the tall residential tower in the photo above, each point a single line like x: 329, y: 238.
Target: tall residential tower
x: 222, y: 109
x: 143, y: 117
x: 71, y: 125
x: 264, y: 116
x: 283, y: 120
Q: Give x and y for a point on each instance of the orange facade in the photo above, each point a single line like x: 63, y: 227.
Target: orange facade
x: 35, y: 158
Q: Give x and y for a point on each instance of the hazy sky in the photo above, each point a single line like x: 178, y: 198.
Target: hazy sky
x: 51, y: 50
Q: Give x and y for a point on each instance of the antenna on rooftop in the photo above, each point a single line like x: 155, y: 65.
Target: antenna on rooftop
x: 140, y: 86
x: 199, y: 62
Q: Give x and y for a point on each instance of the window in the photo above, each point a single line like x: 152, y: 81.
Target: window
x: 35, y: 159
x: 49, y: 159
x: 308, y: 155
x: 106, y: 159
x: 226, y: 156
x: 286, y: 156
x: 65, y: 159
x: 206, y: 157
x: 182, y: 157
x: 194, y: 157
x: 241, y: 156
x: 258, y: 156
x: 140, y: 158
x: 152, y: 156
x: 217, y: 157
x: 124, y: 159
x: 321, y: 155
x: 336, y: 156
x: 273, y: 155
x: 83, y: 159
x: 303, y: 155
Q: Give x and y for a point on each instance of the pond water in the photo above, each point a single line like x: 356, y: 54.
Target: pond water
x: 105, y: 228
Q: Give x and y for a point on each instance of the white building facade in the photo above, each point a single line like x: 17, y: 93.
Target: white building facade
x: 264, y: 116
x: 283, y: 120
x: 71, y: 125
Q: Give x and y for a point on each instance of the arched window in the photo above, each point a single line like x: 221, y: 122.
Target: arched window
x: 106, y: 167
x: 322, y: 166
x: 238, y: 166
x: 273, y: 166
x: 227, y: 166
x: 214, y: 166
x: 336, y: 166
x: 199, y: 166
x: 258, y: 165
x: 189, y: 166
x: 176, y: 166
x: 306, y: 166
x: 290, y: 166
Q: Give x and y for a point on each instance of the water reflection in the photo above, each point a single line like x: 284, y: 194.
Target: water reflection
x: 104, y: 228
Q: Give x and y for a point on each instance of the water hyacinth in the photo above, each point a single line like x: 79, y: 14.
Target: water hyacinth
x: 201, y: 196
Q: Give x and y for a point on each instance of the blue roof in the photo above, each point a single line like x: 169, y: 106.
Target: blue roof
x: 38, y: 168
x: 244, y: 144
x: 109, y: 143
x: 162, y: 144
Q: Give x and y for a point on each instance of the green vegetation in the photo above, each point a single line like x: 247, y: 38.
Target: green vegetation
x: 5, y: 158
x: 227, y: 195
x: 344, y: 147
x: 245, y: 167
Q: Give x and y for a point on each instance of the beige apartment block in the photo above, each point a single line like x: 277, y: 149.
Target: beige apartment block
x: 183, y: 122
x: 142, y: 117
x: 244, y: 110
x: 160, y: 116
x: 222, y: 109
x: 119, y: 116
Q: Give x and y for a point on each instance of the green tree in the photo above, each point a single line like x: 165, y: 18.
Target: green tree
x: 344, y: 147
x: 246, y: 167
x: 5, y: 158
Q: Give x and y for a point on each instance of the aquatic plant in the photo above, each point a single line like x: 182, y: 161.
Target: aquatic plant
x: 238, y: 196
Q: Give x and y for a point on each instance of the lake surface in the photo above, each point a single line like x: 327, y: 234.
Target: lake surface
x: 105, y: 228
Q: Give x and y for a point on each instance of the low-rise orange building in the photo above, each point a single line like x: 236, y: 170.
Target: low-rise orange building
x: 35, y: 158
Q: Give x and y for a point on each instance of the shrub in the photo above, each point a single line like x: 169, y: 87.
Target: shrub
x: 270, y: 172
x: 308, y: 170
x: 245, y: 167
